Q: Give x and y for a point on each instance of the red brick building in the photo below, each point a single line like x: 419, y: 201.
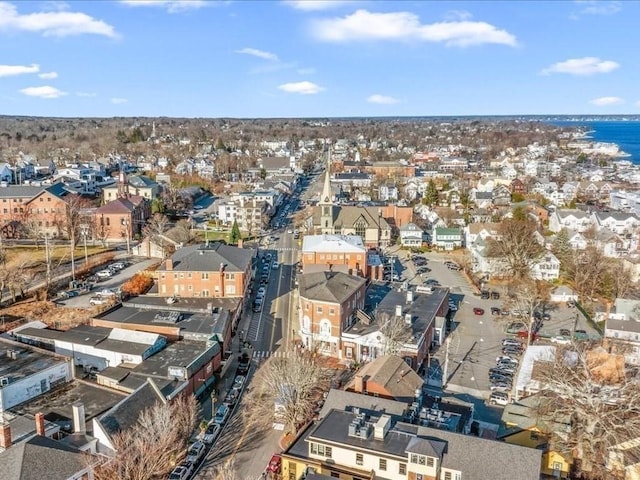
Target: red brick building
x: 328, y: 305
x: 217, y: 270
x: 121, y: 218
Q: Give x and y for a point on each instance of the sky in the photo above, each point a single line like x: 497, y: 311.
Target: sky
x: 318, y: 58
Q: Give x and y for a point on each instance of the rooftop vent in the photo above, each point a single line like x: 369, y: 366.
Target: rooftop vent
x: 167, y: 317
x: 398, y: 310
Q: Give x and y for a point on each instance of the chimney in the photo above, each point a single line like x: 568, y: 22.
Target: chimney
x: 169, y: 264
x: 360, y: 383
x: 409, y: 296
x: 79, y: 424
x: 40, y: 424
x: 5, y: 436
x: 398, y: 310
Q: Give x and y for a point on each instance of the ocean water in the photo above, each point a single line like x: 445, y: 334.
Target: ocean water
x: 625, y: 134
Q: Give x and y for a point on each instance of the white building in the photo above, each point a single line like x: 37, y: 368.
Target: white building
x: 576, y: 220
x: 618, y: 222
x: 411, y: 235
x: 546, y: 268
x: 622, y: 329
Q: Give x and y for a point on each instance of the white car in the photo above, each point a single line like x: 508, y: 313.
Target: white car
x: 289, y: 231
x: 196, y: 452
x: 499, y: 398
x: 105, y: 292
x: 261, y: 291
x: 104, y: 274
x: 275, y: 265
x: 239, y: 381
x: 211, y: 433
x: 181, y: 472
x: 561, y: 340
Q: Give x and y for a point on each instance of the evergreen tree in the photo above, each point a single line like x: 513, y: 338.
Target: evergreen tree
x: 561, y: 247
x: 431, y: 194
x: 235, y: 235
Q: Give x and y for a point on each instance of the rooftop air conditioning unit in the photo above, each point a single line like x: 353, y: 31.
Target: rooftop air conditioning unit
x: 4, y: 381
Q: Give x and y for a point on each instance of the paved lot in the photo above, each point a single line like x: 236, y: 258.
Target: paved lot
x: 475, y: 340
x: 137, y: 264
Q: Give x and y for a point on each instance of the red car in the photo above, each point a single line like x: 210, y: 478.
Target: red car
x: 275, y: 463
x: 478, y: 311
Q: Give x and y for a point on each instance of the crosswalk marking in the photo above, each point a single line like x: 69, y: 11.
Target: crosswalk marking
x: 284, y: 249
x: 263, y: 354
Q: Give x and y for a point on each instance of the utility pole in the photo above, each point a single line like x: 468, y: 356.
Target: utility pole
x: 84, y: 230
x: 127, y: 223
x: 47, y: 256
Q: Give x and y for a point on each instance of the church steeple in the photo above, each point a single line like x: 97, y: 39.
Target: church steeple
x: 327, y: 197
x: 326, y: 201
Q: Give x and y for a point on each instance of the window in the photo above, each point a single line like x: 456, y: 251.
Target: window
x: 319, y: 449
x: 182, y: 275
x: 319, y: 309
x: 189, y: 275
x: 325, y: 328
x: 332, y: 311
x: 383, y: 464
x: 402, y: 468
x: 430, y: 462
x: 175, y: 276
x: 205, y: 293
x: 190, y: 287
x: 163, y: 275
x: 447, y: 476
x: 419, y: 476
x: 306, y: 306
x: 230, y: 276
x: 359, y: 459
x: 205, y: 276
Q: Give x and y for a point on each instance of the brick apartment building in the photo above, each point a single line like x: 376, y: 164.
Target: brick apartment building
x: 121, y: 218
x: 328, y: 305
x: 343, y: 253
x: 217, y: 270
x: 21, y: 205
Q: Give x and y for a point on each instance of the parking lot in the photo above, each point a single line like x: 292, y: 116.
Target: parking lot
x: 114, y: 282
x: 475, y: 340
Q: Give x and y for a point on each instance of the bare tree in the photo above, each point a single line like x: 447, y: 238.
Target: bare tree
x: 183, y: 232
x: 292, y: 383
x: 517, y: 245
x: 156, y: 226
x: 154, y: 445
x: 526, y: 298
x: 395, y: 332
x: 227, y: 471
x: 590, y: 392
x: 586, y: 270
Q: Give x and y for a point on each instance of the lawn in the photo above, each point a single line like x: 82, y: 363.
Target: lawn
x: 211, y: 236
x: 58, y: 252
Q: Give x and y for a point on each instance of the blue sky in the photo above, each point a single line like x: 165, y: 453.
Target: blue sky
x: 318, y: 58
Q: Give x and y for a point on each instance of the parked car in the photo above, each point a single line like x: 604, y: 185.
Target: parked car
x: 478, y: 311
x: 500, y: 386
x: 117, y: 265
x: 261, y: 291
x: 98, y: 301
x: 499, y: 398
x: 507, y: 359
x: 196, y: 452
x: 484, y: 294
x: 275, y: 464
x: 238, y: 382
x: 511, y: 350
x: 275, y: 265
x: 221, y: 414
x: 181, y: 472
x: 511, y: 341
x: 495, y: 311
x: 102, y: 274
x: 495, y: 295
x: 561, y: 340
x: 211, y: 433
x: 232, y: 397
x: 105, y: 292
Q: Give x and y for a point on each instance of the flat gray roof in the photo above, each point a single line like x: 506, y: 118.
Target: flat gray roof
x: 26, y: 363
x: 178, y: 354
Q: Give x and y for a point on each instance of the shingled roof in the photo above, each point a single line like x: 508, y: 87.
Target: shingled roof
x: 201, y: 258
x: 41, y: 457
x: 332, y: 287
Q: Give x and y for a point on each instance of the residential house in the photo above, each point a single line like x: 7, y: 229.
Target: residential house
x: 362, y: 446
x: 524, y: 425
x: 121, y: 219
x: 575, y: 220
x: 349, y: 181
x: 618, y: 222
x: 411, y: 235
x: 518, y: 186
x: 340, y: 253
x: 476, y: 231
x: 6, y: 173
x: 138, y: 185
x: 447, y: 238
x: 328, y: 302
x: 546, y: 268
x: 501, y: 196
x: 481, y: 199
x: 387, y: 192
x: 214, y: 270
x: 622, y: 330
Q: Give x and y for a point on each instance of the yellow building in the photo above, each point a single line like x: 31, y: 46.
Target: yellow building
x: 522, y: 426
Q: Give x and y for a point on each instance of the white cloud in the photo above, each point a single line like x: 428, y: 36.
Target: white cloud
x: 382, y: 99
x: 457, y: 15
x: 48, y: 75
x: 606, y: 101
x: 315, y: 5
x: 52, y: 24
x: 303, y: 88
x: 45, y: 91
x: 593, y: 7
x: 582, y: 66
x: 85, y: 94
x: 118, y: 100
x: 258, y: 53
x: 11, y: 70
x: 365, y: 25
x: 171, y: 6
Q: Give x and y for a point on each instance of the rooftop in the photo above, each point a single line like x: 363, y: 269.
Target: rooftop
x: 333, y: 244
x: 18, y: 361
x: 202, y: 258
x: 331, y: 287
